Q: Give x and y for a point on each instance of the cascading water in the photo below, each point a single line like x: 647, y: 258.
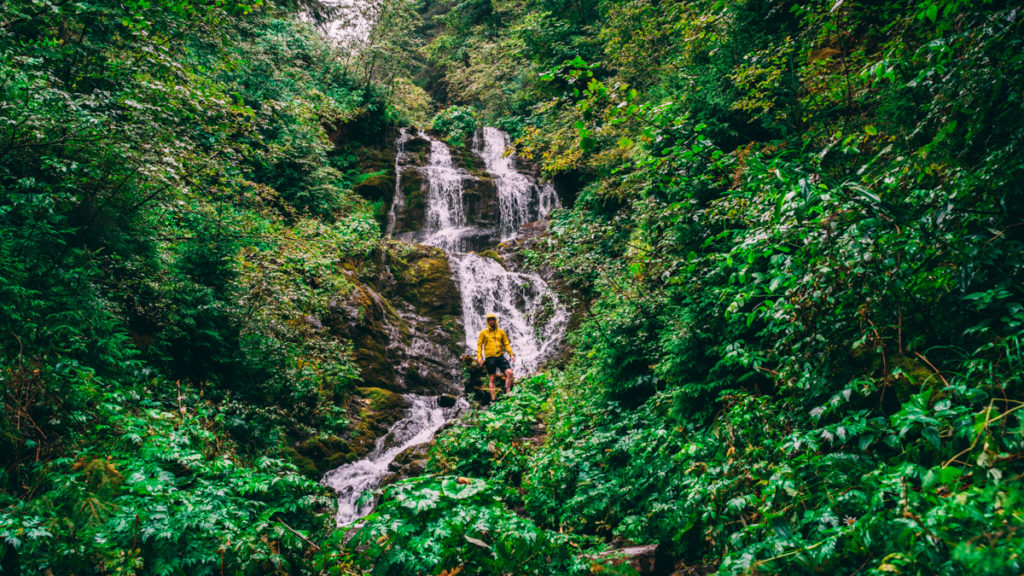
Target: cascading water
x: 400, y: 158
x: 446, y: 217
x: 444, y: 183
x: 423, y: 418
x: 521, y: 199
x: 528, y: 310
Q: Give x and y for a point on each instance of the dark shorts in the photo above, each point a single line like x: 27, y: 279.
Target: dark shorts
x: 496, y: 364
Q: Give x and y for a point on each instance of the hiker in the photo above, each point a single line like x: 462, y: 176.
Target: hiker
x: 490, y: 348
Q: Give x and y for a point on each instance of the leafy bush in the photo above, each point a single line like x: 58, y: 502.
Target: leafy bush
x: 448, y: 523
x: 797, y: 262
x: 492, y: 443
x: 171, y: 213
x: 456, y: 124
x: 171, y: 495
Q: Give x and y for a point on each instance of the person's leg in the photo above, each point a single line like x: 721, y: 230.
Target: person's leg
x: 491, y: 370
x: 508, y: 381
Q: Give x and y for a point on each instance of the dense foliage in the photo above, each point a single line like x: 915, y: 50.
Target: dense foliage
x: 456, y: 523
x: 172, y: 210
x: 796, y: 243
x: 792, y: 236
x: 456, y: 124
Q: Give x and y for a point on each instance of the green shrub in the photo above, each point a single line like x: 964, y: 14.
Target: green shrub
x: 455, y: 124
x: 432, y: 524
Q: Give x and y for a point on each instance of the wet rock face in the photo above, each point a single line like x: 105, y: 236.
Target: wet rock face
x: 424, y: 279
x: 372, y: 412
x: 378, y: 188
x: 409, y: 463
x: 479, y: 194
x: 406, y: 326
x: 480, y: 197
x: 413, y: 210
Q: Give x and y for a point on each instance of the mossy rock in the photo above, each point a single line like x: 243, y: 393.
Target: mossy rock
x: 434, y: 286
x: 379, y: 186
x: 373, y: 411
x: 909, y: 376
x: 376, y: 410
x: 410, y: 462
x: 381, y: 405
x: 466, y: 158
x: 417, y: 151
x: 492, y: 255
x: 307, y: 467
x: 370, y: 331
x: 424, y: 279
x: 380, y: 190
x: 338, y: 459
x: 452, y: 324
x: 414, y: 207
x: 315, y: 456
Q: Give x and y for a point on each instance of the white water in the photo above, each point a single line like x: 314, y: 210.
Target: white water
x: 527, y: 309
x: 446, y: 217
x: 400, y: 158
x: 423, y: 418
x: 521, y: 199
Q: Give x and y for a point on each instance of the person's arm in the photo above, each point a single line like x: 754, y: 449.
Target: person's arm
x: 480, y: 347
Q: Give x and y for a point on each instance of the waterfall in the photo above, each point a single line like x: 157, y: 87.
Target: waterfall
x: 520, y: 198
x: 528, y: 311
x: 400, y: 158
x: 445, y: 223
x: 422, y: 419
x: 444, y: 185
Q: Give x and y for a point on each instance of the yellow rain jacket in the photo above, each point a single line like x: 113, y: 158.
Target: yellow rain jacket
x: 491, y: 342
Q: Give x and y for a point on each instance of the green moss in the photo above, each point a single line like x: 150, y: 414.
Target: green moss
x: 492, y: 255
x: 909, y: 376
x: 316, y: 455
x: 382, y: 402
x: 376, y: 410
x: 415, y: 202
x: 370, y: 336
x: 424, y: 279
x: 452, y: 324
x: 306, y: 466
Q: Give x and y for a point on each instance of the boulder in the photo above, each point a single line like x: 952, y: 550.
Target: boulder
x: 405, y: 320
x: 410, y: 462
x: 424, y: 279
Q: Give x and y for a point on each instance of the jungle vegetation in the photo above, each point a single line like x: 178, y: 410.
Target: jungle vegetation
x: 792, y: 235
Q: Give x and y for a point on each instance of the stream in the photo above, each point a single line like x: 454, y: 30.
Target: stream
x: 527, y: 309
